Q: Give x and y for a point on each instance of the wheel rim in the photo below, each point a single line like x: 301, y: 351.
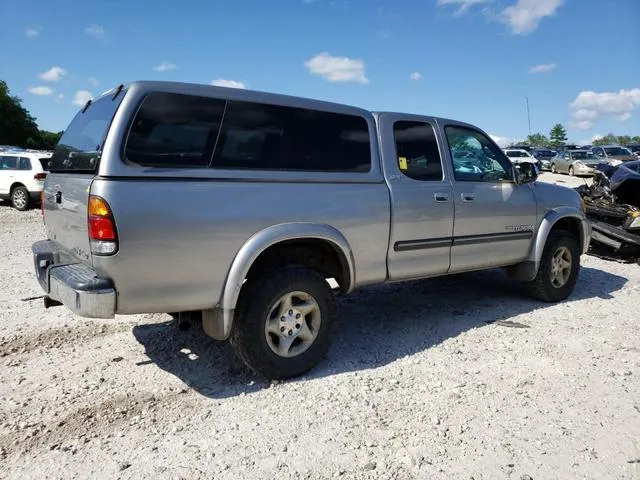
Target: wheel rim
x: 293, y: 324
x: 553, y: 168
x: 19, y: 198
x: 571, y: 171
x: 561, y: 263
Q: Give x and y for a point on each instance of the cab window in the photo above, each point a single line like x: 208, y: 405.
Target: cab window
x: 475, y: 157
x: 417, y: 150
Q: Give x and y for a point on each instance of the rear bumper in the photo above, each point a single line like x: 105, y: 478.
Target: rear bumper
x: 71, y: 283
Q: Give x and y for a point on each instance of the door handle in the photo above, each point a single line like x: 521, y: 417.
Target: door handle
x: 441, y: 197
x: 468, y: 197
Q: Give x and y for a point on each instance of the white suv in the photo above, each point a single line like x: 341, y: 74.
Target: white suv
x: 519, y: 155
x: 22, y: 175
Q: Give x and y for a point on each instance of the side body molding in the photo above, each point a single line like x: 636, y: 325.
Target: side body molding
x: 527, y: 270
x: 217, y: 322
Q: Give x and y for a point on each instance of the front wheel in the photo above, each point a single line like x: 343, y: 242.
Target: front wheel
x: 284, y: 321
x: 571, y: 172
x: 559, y: 266
x: 553, y: 168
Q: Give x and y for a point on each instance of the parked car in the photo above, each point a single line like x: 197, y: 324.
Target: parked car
x: 634, y: 148
x: 518, y: 156
x: 613, y: 154
x: 575, y: 162
x: 22, y: 176
x: 242, y: 205
x: 544, y: 156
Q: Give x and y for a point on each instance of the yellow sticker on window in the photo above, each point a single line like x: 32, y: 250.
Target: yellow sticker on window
x: 402, y: 162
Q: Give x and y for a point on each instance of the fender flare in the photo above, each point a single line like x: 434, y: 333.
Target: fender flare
x: 217, y: 322
x: 528, y: 269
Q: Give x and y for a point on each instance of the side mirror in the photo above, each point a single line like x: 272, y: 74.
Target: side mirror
x: 526, y: 172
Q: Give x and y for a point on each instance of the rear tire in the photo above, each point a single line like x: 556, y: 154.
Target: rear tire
x: 20, y: 198
x: 556, y: 279
x: 553, y: 168
x: 571, y: 171
x: 264, y: 325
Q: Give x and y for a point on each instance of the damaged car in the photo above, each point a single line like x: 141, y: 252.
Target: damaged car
x: 612, y: 204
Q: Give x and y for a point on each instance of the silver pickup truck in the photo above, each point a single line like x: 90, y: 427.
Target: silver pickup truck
x: 256, y: 209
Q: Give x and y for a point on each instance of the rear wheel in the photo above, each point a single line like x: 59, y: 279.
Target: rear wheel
x: 284, y: 321
x: 571, y: 171
x: 559, y: 266
x: 20, y: 198
x: 553, y: 168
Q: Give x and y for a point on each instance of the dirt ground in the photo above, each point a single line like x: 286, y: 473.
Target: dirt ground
x: 457, y: 377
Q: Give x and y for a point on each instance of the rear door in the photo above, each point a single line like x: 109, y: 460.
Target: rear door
x: 421, y: 197
x: 495, y: 217
x: 72, y: 169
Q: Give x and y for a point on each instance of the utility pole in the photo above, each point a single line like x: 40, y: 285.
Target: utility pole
x: 528, y: 116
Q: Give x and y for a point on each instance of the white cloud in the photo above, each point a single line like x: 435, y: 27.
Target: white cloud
x: 93, y: 81
x: 502, y: 141
x: 221, y: 82
x: 82, y: 97
x: 545, y: 67
x: 53, y: 74
x: 415, y: 76
x: 165, y: 67
x: 95, y: 31
x: 32, y: 32
x: 41, y: 91
x: 581, y: 125
x: 462, y: 5
x: 588, y: 106
x: 337, y: 69
x: 525, y: 15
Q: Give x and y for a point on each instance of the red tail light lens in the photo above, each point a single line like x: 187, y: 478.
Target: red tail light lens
x: 40, y: 176
x: 102, y: 227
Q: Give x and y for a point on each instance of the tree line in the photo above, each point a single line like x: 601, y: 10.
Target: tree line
x: 18, y: 127
x: 558, y: 137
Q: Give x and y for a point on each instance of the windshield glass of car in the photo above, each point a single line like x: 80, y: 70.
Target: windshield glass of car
x: 516, y: 154
x: 617, y: 151
x: 583, y: 156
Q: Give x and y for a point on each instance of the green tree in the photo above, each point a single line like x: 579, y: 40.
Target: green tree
x: 17, y: 126
x: 538, y: 140
x: 608, y: 139
x: 557, y: 136
x: 48, y: 140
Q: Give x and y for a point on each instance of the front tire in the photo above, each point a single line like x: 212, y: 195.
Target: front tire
x: 571, y: 172
x: 553, y: 168
x: 284, y: 322
x: 559, y: 266
x: 20, y: 198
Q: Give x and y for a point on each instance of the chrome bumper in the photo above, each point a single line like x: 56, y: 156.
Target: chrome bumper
x: 71, y: 283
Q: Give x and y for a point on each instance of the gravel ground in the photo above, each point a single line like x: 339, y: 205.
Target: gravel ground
x: 457, y: 377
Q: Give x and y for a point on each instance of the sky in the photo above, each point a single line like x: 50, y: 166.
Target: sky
x: 477, y: 61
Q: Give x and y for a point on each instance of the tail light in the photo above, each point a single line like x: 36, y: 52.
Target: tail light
x: 40, y: 176
x: 102, y: 227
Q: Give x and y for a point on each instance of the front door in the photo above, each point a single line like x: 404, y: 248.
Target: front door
x: 7, y: 173
x: 495, y: 216
x: 421, y: 198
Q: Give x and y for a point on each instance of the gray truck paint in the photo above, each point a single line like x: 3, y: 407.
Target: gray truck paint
x: 187, y: 237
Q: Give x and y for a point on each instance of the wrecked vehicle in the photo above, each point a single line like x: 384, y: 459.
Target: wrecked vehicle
x: 612, y: 203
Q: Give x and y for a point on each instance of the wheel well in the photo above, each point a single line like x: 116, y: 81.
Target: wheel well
x: 319, y: 255
x: 15, y: 185
x: 571, y: 225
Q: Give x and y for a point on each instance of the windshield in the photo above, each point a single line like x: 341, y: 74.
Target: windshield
x: 80, y: 147
x: 617, y: 151
x: 512, y: 153
x: 584, y: 156
x: 544, y: 153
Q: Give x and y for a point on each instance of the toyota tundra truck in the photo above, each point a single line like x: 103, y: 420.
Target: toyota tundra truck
x: 256, y: 209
